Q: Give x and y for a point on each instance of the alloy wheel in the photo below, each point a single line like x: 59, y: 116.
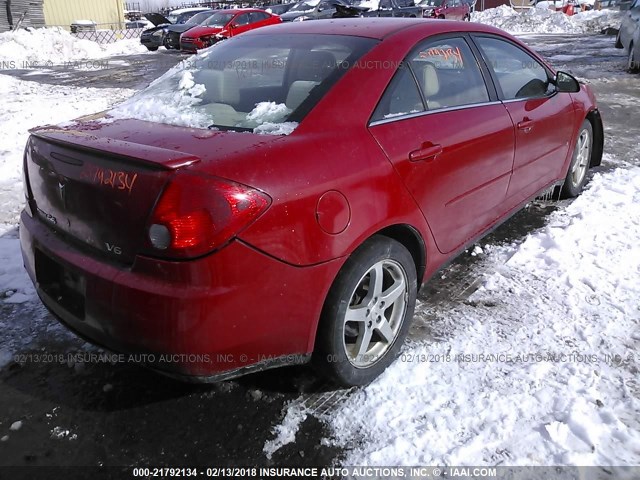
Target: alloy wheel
x: 375, y: 313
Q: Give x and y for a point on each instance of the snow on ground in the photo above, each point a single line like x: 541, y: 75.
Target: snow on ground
x: 49, y: 46
x: 560, y: 386
x: 27, y: 105
x: 539, y: 20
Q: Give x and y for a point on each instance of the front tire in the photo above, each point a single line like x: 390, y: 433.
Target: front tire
x: 367, y: 313
x: 618, y: 43
x: 152, y: 49
x: 579, y: 166
x: 633, y: 64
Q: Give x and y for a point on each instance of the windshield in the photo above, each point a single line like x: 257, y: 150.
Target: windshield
x: 265, y: 84
x: 198, y: 18
x: 307, y: 6
x: 183, y: 17
x: 431, y: 3
x: 219, y: 19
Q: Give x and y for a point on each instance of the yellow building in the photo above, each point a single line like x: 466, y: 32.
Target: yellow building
x: 107, y: 14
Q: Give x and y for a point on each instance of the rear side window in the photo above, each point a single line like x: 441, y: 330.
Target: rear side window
x: 242, y: 19
x: 519, y: 75
x: 443, y: 73
x: 258, y: 16
x: 402, y: 96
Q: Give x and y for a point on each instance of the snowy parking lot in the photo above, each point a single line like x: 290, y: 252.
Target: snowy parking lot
x: 524, y: 351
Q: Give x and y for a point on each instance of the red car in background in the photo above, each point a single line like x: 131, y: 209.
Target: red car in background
x: 225, y: 24
x: 239, y: 215
x: 446, y: 9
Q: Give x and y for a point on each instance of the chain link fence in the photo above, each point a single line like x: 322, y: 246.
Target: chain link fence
x: 109, y: 36
x: 105, y: 32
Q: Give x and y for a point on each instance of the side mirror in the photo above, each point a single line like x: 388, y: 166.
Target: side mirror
x: 566, y: 83
x: 232, y: 26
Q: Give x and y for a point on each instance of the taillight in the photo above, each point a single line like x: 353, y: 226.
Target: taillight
x: 196, y: 215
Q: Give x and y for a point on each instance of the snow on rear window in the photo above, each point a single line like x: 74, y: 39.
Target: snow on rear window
x: 264, y: 86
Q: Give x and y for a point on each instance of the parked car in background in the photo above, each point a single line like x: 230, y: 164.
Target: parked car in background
x: 181, y: 15
x: 281, y: 198
x: 138, y: 24
x: 225, y: 24
x: 629, y: 36
x: 78, y: 26
x: 394, y: 8
x: 279, y: 9
x: 447, y: 9
x: 310, y: 10
x: 153, y: 38
x: 173, y: 32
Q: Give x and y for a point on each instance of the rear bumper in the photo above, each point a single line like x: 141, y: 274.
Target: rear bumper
x: 220, y: 316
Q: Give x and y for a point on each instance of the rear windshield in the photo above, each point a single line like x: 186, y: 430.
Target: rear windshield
x: 261, y: 83
x: 198, y: 18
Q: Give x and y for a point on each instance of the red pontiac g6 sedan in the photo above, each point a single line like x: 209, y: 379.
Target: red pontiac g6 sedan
x: 282, y: 198
x: 224, y: 24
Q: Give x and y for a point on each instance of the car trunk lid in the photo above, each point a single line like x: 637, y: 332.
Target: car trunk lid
x: 97, y: 183
x: 98, y: 191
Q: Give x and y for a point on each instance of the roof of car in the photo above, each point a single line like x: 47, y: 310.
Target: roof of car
x: 377, y: 28
x: 239, y: 10
x: 187, y: 10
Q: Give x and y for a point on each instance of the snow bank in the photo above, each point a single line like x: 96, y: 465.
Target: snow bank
x: 540, y: 20
x: 27, y: 105
x: 538, y: 367
x: 49, y: 46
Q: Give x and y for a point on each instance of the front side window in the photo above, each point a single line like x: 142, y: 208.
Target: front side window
x: 264, y: 84
x: 242, y: 19
x: 519, y: 75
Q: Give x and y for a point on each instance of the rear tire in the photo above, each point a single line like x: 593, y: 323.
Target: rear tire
x: 579, y: 166
x: 152, y: 49
x: 367, y: 313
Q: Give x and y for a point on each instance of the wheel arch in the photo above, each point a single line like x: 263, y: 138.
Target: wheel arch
x: 411, y: 239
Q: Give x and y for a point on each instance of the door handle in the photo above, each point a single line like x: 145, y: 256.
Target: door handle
x: 427, y: 153
x: 526, y: 125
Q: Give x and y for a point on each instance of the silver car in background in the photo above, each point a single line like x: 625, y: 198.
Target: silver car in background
x: 629, y: 36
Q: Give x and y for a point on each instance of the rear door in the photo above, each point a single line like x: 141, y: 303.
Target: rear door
x: 544, y: 119
x: 449, y: 139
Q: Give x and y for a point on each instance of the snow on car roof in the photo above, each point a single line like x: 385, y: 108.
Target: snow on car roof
x: 187, y: 10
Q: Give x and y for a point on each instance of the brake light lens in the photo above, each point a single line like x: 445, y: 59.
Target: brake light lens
x: 196, y: 215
